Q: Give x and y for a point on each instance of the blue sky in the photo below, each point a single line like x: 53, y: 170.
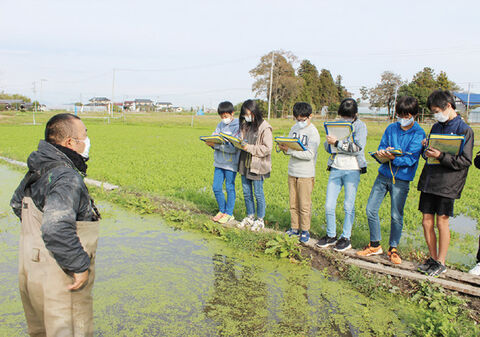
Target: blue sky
x: 199, y: 52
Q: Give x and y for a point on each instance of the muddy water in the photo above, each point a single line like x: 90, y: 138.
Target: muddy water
x: 154, y: 281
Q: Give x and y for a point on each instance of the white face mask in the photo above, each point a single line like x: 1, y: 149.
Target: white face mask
x: 248, y: 119
x: 227, y: 120
x: 86, y: 141
x: 440, y: 117
x: 302, y: 125
x: 405, y: 122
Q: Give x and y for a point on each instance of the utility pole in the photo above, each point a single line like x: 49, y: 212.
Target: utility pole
x: 271, y: 82
x: 34, y: 101
x: 113, y: 91
x: 468, y: 100
x: 395, y: 103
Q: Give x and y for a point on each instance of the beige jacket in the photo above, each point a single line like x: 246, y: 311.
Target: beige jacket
x: 262, y: 149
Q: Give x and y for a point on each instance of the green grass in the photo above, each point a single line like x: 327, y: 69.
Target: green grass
x: 161, y: 155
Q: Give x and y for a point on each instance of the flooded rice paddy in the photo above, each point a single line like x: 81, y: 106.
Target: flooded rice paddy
x: 155, y: 281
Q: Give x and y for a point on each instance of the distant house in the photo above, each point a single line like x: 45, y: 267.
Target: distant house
x: 177, y: 108
x: 463, y: 99
x: 129, y: 105
x: 143, y: 104
x: 163, y: 106
x: 99, y: 101
x: 12, y: 104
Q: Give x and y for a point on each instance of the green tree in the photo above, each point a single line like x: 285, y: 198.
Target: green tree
x: 341, y: 90
x: 383, y: 94
x: 310, y: 90
x: 4, y: 95
x: 285, y: 86
x: 424, y: 82
x: 328, y: 92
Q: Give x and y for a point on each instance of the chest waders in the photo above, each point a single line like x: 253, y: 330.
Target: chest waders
x: 50, y: 308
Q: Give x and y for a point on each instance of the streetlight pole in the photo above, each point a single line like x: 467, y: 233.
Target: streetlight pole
x: 34, y: 101
x: 271, y: 82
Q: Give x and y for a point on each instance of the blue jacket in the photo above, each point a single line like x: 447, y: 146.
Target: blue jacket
x: 403, y: 167
x: 226, y: 155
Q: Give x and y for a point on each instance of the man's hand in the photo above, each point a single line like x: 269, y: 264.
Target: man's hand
x: 331, y: 140
x: 432, y: 153
x: 79, y: 280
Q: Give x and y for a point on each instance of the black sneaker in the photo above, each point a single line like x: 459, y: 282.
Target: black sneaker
x: 426, y: 265
x: 436, y: 269
x: 342, y: 245
x: 326, y: 241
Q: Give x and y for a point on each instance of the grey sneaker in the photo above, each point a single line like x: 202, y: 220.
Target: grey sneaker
x: 426, y: 265
x: 342, y: 245
x: 326, y: 241
x: 475, y: 270
x: 436, y: 269
x: 247, y: 221
x: 258, y: 225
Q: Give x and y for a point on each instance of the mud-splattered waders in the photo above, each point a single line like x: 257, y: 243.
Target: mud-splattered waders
x: 50, y: 308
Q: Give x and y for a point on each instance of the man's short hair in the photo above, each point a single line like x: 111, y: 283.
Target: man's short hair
x: 60, y: 127
x: 406, y: 105
x: 225, y: 107
x: 440, y: 98
x: 348, y: 108
x: 302, y: 109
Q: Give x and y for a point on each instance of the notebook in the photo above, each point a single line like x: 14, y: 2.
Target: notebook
x: 237, y: 142
x: 216, y: 139
x: 292, y: 143
x: 340, y: 130
x: 452, y: 144
x: 383, y: 160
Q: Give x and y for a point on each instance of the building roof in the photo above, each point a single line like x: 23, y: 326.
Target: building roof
x: 163, y: 103
x: 143, y: 100
x: 463, y: 96
x: 94, y: 99
x: 11, y: 101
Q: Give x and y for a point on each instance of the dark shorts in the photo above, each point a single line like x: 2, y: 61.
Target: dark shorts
x: 435, y: 204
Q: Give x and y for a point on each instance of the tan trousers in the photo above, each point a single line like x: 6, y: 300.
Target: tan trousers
x: 300, y: 202
x: 50, y: 308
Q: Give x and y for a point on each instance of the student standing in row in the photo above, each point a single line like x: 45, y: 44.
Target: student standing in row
x: 476, y: 270
x: 441, y: 184
x: 394, y: 176
x: 301, y: 170
x: 225, y: 159
x: 255, y: 162
x: 345, y: 167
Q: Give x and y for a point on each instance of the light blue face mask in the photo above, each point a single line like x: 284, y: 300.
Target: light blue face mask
x: 405, y: 122
x: 302, y: 125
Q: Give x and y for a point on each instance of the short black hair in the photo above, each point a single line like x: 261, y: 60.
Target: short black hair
x: 224, y: 107
x: 302, y: 109
x: 440, y: 99
x: 406, y: 105
x: 59, y: 127
x: 348, y: 108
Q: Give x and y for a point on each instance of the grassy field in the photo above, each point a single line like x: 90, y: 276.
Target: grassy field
x: 161, y: 155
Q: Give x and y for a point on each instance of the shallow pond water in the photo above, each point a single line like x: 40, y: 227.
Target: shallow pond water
x: 155, y: 281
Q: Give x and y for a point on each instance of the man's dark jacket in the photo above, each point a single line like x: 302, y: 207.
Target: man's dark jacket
x: 448, y: 178
x: 60, y: 193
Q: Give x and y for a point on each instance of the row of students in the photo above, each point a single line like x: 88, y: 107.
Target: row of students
x: 440, y: 184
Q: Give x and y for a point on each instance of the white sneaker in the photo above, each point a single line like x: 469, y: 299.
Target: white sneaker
x: 475, y: 270
x: 258, y: 225
x: 247, y: 221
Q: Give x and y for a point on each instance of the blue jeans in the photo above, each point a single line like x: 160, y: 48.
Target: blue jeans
x: 338, y: 178
x: 398, y: 196
x: 219, y: 176
x: 251, y: 187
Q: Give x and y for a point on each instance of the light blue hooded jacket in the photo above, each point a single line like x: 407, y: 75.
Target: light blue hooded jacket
x: 226, y: 155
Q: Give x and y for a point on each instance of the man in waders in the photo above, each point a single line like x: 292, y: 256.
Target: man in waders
x: 59, y: 233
